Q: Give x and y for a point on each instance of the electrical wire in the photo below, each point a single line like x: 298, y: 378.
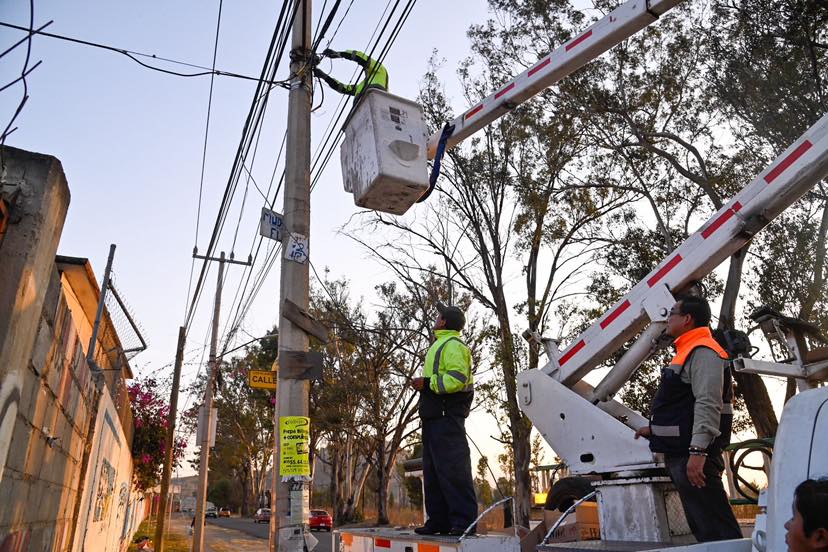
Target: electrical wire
x: 254, y: 117
x: 383, y: 53
x: 204, y: 157
x: 244, y: 304
x: 133, y: 55
x: 23, y: 74
x: 347, y: 10
x: 25, y: 38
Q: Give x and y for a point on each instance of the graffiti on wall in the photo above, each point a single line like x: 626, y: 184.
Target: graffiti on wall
x: 106, y: 488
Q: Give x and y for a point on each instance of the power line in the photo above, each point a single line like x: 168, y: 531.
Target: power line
x: 204, y: 155
x: 383, y: 53
x: 348, y: 9
x: 245, y: 303
x: 254, y: 117
x: 133, y: 55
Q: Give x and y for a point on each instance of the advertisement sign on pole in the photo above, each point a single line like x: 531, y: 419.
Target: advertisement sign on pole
x: 294, y: 438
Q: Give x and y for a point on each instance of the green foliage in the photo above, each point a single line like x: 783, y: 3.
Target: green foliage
x: 225, y: 493
x: 149, y: 443
x: 244, y: 430
x: 482, y: 486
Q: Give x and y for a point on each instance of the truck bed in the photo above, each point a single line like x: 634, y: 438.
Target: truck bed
x: 381, y: 539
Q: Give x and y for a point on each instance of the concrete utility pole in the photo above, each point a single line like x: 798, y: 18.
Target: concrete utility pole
x: 204, y: 454
x: 212, y: 367
x: 292, y: 394
x: 168, y: 456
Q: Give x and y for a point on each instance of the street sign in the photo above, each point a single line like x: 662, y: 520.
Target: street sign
x: 271, y: 224
x: 262, y: 379
x: 297, y: 248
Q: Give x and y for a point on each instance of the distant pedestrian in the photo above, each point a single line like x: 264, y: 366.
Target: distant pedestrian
x: 446, y: 393
x: 144, y: 543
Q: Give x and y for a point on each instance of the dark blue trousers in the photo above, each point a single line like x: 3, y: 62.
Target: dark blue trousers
x: 707, y: 509
x: 449, y: 488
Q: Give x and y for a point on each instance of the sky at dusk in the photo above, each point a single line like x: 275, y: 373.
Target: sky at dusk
x: 131, y: 142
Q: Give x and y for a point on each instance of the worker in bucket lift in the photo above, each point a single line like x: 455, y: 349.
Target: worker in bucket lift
x: 446, y: 393
x: 807, y: 530
x: 692, y: 418
x: 375, y: 74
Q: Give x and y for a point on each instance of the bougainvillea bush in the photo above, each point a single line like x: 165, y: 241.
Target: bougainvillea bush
x: 149, y: 444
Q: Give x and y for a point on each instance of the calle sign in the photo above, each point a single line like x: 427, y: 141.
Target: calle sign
x: 262, y: 379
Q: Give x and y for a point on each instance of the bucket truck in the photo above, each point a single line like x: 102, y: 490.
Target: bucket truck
x: 590, y: 430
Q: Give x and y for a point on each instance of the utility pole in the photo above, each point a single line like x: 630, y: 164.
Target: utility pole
x: 292, y: 394
x: 207, y: 419
x: 168, y: 453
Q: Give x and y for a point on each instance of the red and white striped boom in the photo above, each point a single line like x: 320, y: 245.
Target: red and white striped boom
x: 620, y: 24
x: 783, y: 182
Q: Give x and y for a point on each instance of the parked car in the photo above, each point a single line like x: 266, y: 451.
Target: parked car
x: 210, y: 510
x: 320, y: 519
x: 224, y: 512
x: 262, y: 515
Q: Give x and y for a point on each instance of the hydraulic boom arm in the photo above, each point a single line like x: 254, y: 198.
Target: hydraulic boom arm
x: 620, y: 24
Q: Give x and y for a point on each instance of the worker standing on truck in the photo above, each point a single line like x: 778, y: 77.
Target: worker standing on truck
x: 446, y: 393
x: 376, y: 75
x: 692, y: 418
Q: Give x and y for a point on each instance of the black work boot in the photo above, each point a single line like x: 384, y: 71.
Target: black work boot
x: 458, y: 531
x: 428, y: 530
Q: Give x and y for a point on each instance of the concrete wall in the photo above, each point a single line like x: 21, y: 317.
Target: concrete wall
x: 39, y: 198
x: 39, y: 490
x: 62, y: 442
x: 110, y: 510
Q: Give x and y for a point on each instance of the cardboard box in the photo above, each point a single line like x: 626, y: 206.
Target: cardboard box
x: 580, y: 526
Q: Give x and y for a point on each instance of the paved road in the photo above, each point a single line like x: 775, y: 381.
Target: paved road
x: 259, y: 530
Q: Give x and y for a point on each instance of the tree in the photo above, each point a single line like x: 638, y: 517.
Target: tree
x: 149, y: 414
x: 365, y: 407
x: 769, y: 72
x: 244, y: 429
x: 481, y: 482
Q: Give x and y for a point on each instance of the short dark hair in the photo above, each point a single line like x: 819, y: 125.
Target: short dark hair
x: 697, y: 307
x: 453, y: 315
x: 811, y: 501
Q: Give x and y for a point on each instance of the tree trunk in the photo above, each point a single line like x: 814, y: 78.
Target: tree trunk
x: 245, y: 497
x: 519, y: 425
x: 750, y: 386
x: 382, y: 493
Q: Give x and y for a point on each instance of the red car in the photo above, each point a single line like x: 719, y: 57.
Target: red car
x: 320, y: 519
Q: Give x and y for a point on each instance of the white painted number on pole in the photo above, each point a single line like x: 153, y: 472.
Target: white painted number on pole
x: 297, y: 248
x: 271, y: 224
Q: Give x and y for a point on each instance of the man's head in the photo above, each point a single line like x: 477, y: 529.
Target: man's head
x: 689, y: 312
x: 142, y: 542
x: 808, y: 528
x: 450, y: 318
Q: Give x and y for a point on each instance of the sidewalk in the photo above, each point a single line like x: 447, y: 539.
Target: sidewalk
x: 219, y: 539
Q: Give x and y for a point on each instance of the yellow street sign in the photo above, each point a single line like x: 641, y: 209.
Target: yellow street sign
x: 262, y: 379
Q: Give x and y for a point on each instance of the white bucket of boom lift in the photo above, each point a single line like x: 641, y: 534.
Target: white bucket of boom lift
x: 384, y: 153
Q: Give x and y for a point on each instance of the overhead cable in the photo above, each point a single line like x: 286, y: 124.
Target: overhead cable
x: 133, y: 55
